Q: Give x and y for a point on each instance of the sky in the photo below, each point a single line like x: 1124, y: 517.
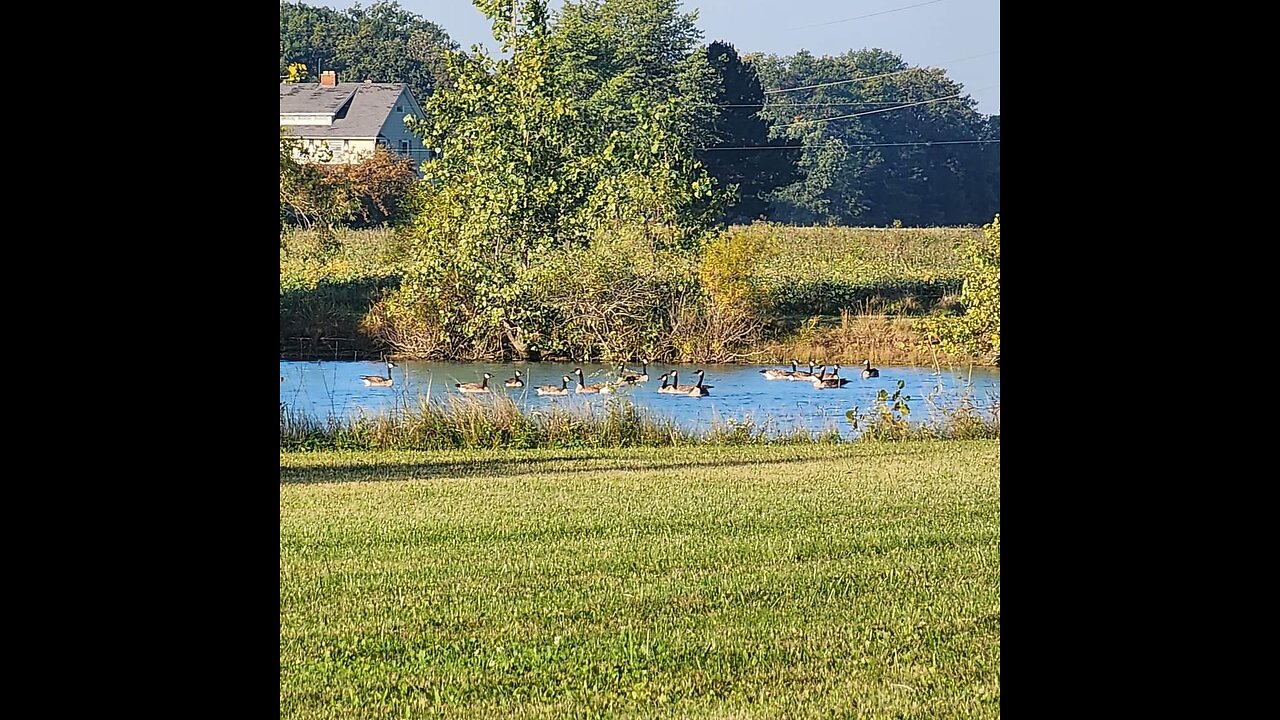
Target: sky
x: 961, y: 36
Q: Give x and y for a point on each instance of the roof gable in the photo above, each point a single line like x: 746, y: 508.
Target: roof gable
x: 353, y: 110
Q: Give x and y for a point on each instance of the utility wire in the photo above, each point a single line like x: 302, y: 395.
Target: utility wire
x: 856, y: 145
x: 882, y: 12
x: 816, y: 104
x: 877, y: 77
x: 873, y: 112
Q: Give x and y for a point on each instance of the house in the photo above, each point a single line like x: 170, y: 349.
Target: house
x: 350, y: 119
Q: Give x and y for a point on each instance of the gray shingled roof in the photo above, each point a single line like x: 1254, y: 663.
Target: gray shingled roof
x: 363, y: 116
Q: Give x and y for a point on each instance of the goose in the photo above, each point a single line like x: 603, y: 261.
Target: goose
x: 514, y: 382
x: 869, y: 372
x: 667, y: 389
x: 378, y: 380
x: 553, y: 390
x: 802, y: 375
x: 699, y: 390
x: 825, y: 382
x: 633, y: 377
x: 780, y: 374
x: 481, y: 387
x: 592, y: 388
x: 675, y: 378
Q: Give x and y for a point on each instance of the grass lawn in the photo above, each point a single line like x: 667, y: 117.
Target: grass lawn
x: 725, y: 582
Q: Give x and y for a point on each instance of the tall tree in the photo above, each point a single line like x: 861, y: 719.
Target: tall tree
x: 389, y: 44
x: 632, y: 54
x: 310, y: 36
x: 528, y: 164
x: 867, y: 155
x: 737, y: 156
x: 383, y: 43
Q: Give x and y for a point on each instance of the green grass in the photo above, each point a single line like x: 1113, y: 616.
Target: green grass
x: 769, y: 582
x: 824, y: 270
x: 327, y: 289
x: 861, y: 255
x: 353, y: 256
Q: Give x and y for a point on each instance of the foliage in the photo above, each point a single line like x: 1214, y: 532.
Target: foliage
x: 306, y: 200
x: 889, y: 419
x: 871, y: 168
x: 727, y: 268
x: 628, y: 55
x: 383, y: 43
x: 379, y: 188
x: 609, y: 299
x: 752, y: 172
x: 530, y: 164
x: 329, y: 281
x: 862, y: 292
x: 295, y: 73
x: 977, y: 330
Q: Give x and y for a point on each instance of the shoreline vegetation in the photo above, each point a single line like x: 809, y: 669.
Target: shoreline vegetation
x: 499, y: 422
x: 833, y: 294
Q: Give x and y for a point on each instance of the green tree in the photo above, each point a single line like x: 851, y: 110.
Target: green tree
x: 310, y: 36
x: 867, y: 164
x: 755, y: 172
x: 628, y: 55
x: 529, y: 163
x: 389, y: 44
x: 383, y: 43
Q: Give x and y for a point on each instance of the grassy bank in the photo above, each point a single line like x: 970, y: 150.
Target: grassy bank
x: 328, y: 287
x: 792, y: 581
x: 834, y: 294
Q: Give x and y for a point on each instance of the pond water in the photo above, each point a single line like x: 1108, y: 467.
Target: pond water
x: 326, y: 389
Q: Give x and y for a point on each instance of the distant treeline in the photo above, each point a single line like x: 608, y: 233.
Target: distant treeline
x: 936, y: 163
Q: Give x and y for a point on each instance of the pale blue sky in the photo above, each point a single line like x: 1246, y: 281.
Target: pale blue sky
x: 939, y: 33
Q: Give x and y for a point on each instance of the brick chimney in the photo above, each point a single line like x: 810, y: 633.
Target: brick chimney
x: 328, y: 78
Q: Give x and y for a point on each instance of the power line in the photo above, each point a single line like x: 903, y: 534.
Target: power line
x: 882, y: 12
x: 868, y: 112
x: 873, y: 112
x: 877, y: 77
x: 856, y: 145
x: 818, y: 104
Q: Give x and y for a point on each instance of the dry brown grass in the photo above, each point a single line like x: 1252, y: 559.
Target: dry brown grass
x: 855, y: 338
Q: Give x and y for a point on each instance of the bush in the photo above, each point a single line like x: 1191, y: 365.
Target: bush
x: 377, y: 191
x: 977, y: 329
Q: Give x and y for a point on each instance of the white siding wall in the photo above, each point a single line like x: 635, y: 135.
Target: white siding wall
x: 396, y: 133
x: 313, y: 119
x: 353, y: 151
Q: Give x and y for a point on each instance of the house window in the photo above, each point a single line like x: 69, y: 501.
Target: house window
x: 400, y: 108
x: 404, y: 146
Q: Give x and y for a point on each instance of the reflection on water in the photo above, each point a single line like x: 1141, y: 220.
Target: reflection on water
x: 334, y: 389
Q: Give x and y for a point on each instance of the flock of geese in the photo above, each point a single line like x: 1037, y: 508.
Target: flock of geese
x: 821, y: 380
